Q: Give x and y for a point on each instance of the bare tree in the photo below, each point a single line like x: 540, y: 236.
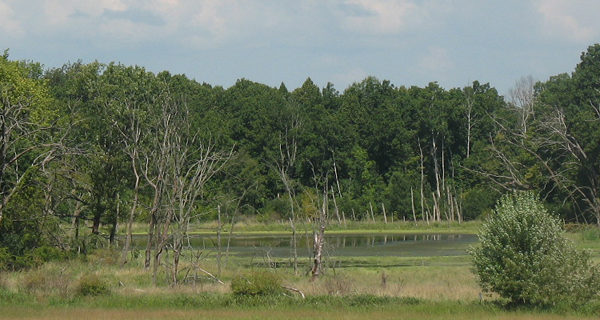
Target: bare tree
x: 471, y: 117
x: 288, y: 149
x: 192, y: 166
x: 319, y: 234
x: 522, y: 97
x: 181, y: 166
x: 132, y: 139
x: 556, y: 135
x: 154, y: 172
x: 554, y: 149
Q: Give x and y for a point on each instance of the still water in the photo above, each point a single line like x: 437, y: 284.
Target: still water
x: 342, y: 245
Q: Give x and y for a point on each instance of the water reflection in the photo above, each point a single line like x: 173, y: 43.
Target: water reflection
x: 415, y: 245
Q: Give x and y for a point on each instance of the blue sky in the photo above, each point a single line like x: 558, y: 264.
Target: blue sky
x: 408, y: 42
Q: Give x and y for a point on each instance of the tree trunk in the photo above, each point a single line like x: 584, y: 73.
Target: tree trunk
x: 219, y: 227
x: 319, y: 238
x: 131, y: 215
x: 412, y: 203
x: 337, y: 211
x: 150, y: 240
x: 294, y: 246
x: 115, y: 223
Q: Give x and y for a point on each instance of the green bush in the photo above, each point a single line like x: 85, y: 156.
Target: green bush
x: 257, y: 284
x: 92, y: 285
x: 47, y: 253
x: 524, y: 257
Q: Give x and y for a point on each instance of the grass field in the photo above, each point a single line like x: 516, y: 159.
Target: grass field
x: 367, y: 287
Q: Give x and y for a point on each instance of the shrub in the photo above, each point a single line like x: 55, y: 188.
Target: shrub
x: 47, y: 279
x: 524, y: 257
x: 92, y: 285
x: 47, y: 253
x: 257, y: 284
x: 338, y: 285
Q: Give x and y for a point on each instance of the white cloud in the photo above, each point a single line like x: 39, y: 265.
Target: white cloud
x: 575, y: 20
x: 59, y: 12
x: 214, y: 17
x: 381, y: 16
x: 8, y: 23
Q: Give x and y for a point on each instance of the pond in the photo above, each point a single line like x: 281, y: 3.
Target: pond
x: 341, y: 245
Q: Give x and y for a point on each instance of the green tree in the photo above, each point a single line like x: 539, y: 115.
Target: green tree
x: 27, y: 120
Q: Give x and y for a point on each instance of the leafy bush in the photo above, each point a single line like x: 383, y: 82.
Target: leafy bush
x: 524, y: 257
x: 47, y: 253
x: 92, y: 285
x: 257, y: 284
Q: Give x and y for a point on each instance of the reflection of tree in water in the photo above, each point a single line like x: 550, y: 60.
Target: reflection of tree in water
x: 341, y: 245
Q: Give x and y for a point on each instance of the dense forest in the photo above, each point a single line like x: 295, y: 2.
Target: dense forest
x: 87, y: 147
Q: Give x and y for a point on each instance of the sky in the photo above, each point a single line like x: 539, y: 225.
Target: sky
x: 409, y: 42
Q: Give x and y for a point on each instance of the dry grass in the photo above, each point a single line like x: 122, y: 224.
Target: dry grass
x: 431, y: 283
x: 434, y: 283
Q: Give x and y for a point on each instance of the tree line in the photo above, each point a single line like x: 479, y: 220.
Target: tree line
x: 86, y: 147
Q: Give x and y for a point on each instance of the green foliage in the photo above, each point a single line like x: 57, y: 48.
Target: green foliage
x: 524, y: 257
x: 276, y: 209
x: 47, y: 253
x: 478, y: 202
x: 5, y: 258
x: 257, y: 283
x: 92, y: 285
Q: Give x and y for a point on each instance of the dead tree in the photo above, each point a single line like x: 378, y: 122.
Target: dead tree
x: 288, y: 148
x: 132, y: 138
x: 319, y: 236
x: 184, y: 165
x: 321, y: 204
x: 424, y: 216
x: 558, y: 152
x: 556, y: 135
x: 522, y: 97
x: 154, y: 172
x: 193, y: 164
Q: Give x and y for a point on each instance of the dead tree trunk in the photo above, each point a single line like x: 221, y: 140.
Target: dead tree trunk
x: 422, y: 167
x: 219, y: 227
x: 319, y: 239
x: 412, y: 204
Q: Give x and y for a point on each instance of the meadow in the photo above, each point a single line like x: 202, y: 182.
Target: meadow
x: 352, y: 287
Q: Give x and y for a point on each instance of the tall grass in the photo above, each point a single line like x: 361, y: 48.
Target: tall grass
x: 358, y: 287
